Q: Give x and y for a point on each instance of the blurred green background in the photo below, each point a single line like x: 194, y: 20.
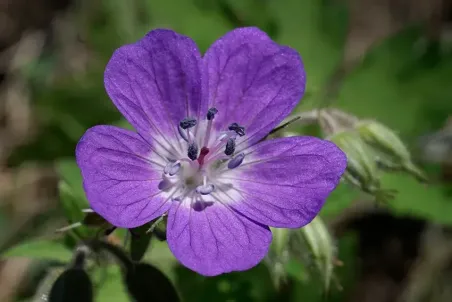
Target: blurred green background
x: 389, y: 60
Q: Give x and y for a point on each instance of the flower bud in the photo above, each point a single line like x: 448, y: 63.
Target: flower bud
x: 322, y: 248
x: 280, y: 242
x: 361, y: 167
x: 387, y: 147
x: 278, y: 256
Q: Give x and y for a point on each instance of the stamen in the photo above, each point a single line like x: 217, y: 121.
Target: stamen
x: 230, y: 147
x: 172, y: 168
x: 182, y: 133
x: 236, y: 161
x: 192, y: 151
x: 237, y: 128
x: 187, y: 123
x: 211, y: 113
x: 222, y: 139
x: 205, y: 189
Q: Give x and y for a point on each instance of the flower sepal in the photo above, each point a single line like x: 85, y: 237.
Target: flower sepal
x: 388, y: 149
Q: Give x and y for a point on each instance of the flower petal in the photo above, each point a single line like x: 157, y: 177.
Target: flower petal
x: 211, y: 239
x: 156, y: 82
x: 252, y: 81
x: 285, y: 182
x: 119, y: 177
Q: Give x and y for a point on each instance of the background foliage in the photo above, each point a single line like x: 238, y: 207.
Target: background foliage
x: 401, y: 77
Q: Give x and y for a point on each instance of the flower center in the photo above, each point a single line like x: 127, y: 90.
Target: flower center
x: 205, y: 157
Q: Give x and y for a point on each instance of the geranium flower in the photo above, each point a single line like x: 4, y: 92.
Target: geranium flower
x: 196, y: 153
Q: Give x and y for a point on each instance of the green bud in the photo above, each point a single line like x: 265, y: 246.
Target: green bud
x: 361, y: 167
x: 388, y: 148
x: 280, y: 241
x: 362, y: 170
x: 321, y: 245
x: 278, y: 255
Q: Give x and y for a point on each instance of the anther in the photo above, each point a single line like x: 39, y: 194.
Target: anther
x: 236, y: 161
x: 211, y: 113
x: 192, y: 151
x: 171, y: 168
x: 230, y: 147
x: 187, y: 123
x: 240, y: 130
x: 205, y: 189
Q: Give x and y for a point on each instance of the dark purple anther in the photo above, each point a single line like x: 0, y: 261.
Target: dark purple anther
x: 230, y: 147
x: 192, y: 151
x: 187, y: 123
x: 237, y: 128
x: 211, y: 113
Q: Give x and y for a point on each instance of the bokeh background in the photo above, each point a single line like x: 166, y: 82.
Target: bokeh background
x: 389, y: 60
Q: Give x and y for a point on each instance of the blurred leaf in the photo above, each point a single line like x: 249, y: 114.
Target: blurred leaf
x: 146, y: 283
x: 429, y: 202
x: 94, y: 219
x: 295, y: 269
x: 70, y: 172
x: 395, y: 87
x: 40, y: 249
x: 71, y: 204
x: 109, y: 285
x: 73, y: 285
x: 317, y: 31
x: 124, y: 17
x: 160, y: 255
x: 140, y: 241
x: 251, y: 285
x: 339, y: 200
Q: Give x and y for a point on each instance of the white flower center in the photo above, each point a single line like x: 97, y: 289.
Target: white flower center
x: 194, y: 162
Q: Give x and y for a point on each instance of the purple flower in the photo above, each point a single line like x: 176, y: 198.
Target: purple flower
x: 196, y: 153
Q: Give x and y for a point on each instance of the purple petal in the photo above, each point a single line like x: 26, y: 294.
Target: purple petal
x: 156, y: 82
x: 211, y: 239
x: 119, y: 177
x: 252, y: 81
x: 285, y: 182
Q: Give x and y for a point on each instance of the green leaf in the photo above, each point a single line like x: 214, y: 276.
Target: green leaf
x: 73, y: 285
x: 70, y: 173
x: 146, y: 283
x: 160, y: 255
x: 140, y: 241
x: 110, y: 287
x: 317, y: 31
x: 40, y: 249
x: 339, y: 200
x: 430, y: 202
